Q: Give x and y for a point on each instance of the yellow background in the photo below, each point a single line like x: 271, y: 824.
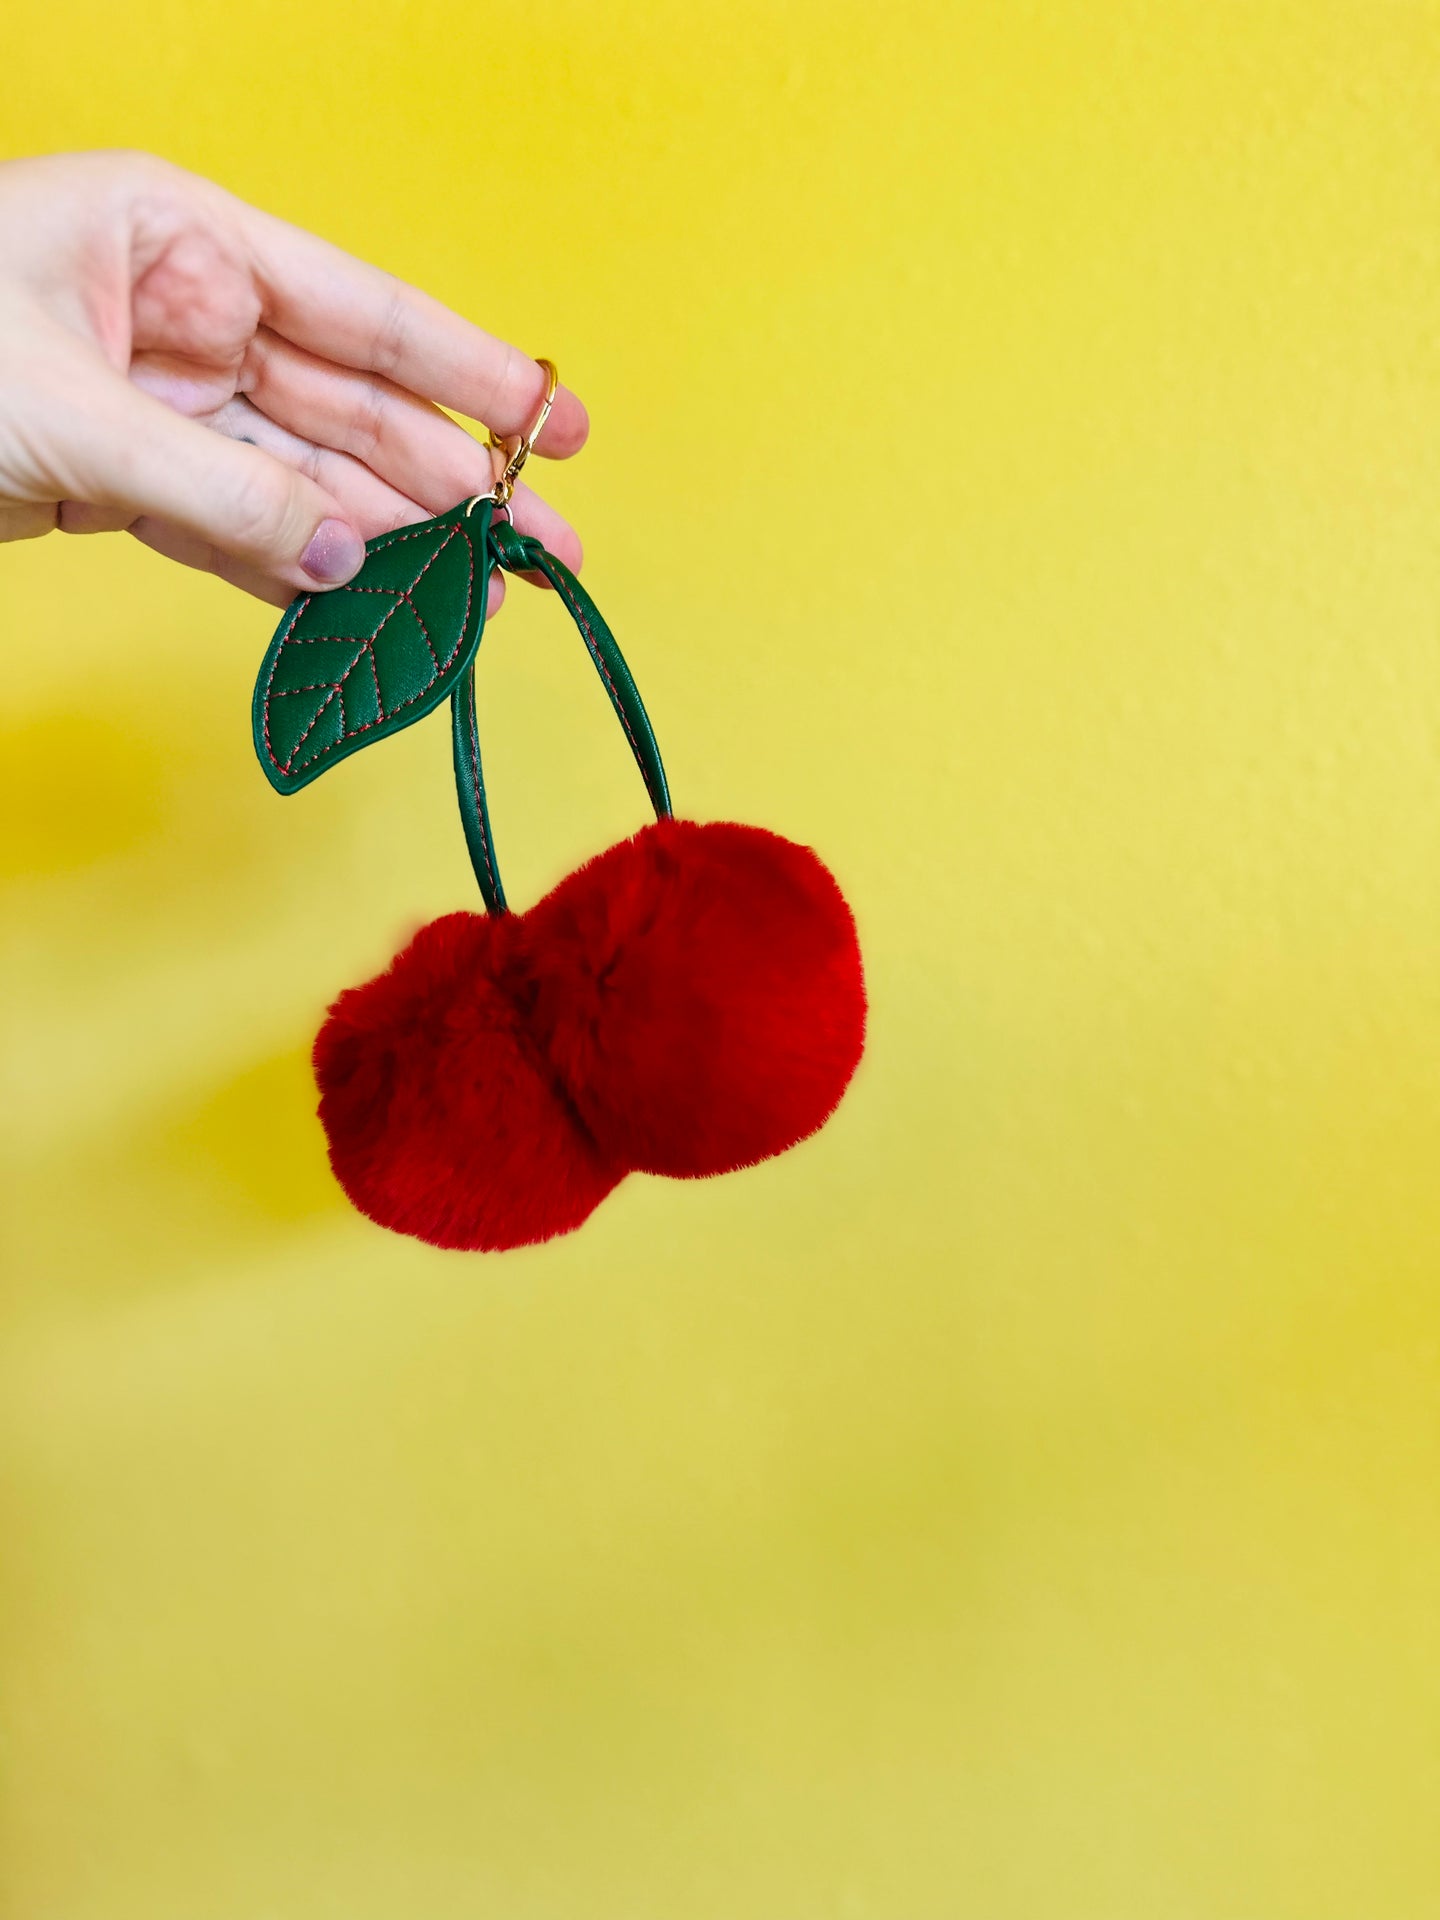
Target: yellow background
x: 1015, y: 469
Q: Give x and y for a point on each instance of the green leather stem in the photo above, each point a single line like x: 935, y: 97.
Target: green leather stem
x: 522, y: 553
x: 470, y: 788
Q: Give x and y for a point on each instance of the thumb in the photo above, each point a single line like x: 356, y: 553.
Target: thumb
x: 142, y: 456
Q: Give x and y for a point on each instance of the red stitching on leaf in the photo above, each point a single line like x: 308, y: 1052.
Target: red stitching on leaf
x: 402, y: 597
x: 265, y: 703
x: 425, y: 631
x: 375, y: 676
x: 464, y: 533
x: 368, y: 647
x: 319, y: 716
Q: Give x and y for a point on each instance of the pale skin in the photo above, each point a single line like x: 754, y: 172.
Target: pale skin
x: 238, y: 394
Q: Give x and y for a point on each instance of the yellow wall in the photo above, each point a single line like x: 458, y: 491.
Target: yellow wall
x: 1020, y: 1503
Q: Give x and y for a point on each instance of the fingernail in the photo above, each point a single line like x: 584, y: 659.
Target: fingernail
x: 335, y: 552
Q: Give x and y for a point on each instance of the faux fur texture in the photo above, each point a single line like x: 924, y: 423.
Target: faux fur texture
x: 700, y: 995
x: 690, y: 1001
x: 444, y: 1119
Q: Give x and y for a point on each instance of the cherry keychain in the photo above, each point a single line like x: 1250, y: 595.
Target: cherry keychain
x: 688, y: 1002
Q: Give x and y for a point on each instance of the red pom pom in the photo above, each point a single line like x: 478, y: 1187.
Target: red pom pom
x: 443, y: 1117
x: 701, y: 995
x: 690, y: 1001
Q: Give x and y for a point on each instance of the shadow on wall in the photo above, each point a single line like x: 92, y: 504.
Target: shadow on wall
x: 255, y: 1142
x: 240, y: 1165
x: 116, y: 813
x: 74, y: 789
x: 165, y: 785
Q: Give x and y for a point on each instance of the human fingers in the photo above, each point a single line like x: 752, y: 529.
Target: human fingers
x: 378, y: 508
x: 79, y: 516
x: 189, y: 551
x: 26, y: 519
x: 175, y: 544
x: 117, y: 447
x: 535, y: 516
x: 399, y: 436
x: 372, y: 503
x: 82, y: 517
x: 345, y: 310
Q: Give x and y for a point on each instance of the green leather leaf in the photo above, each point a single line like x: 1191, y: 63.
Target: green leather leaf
x: 353, y: 665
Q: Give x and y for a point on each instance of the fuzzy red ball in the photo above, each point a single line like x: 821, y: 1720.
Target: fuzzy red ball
x: 690, y: 1001
x: 700, y: 994
x: 443, y: 1117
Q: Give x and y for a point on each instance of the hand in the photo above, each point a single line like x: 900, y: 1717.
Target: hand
x: 234, y: 392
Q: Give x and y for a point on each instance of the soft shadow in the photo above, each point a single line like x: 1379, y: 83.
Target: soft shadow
x: 209, y: 1179
x: 75, y: 787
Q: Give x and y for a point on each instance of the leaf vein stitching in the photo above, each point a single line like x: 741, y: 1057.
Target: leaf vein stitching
x: 403, y: 595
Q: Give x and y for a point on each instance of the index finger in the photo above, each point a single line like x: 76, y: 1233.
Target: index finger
x: 322, y: 298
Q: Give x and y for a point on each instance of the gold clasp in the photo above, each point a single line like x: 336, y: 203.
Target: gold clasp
x: 517, y: 447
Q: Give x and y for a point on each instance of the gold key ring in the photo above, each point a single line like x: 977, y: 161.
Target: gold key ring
x: 519, y: 453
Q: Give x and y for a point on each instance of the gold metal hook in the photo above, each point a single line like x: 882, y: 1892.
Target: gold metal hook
x: 524, y: 444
